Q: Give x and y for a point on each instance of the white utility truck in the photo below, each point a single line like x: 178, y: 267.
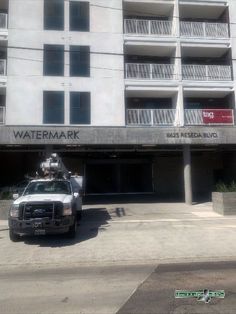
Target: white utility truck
x: 50, y: 204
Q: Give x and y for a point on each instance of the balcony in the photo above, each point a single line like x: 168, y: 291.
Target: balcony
x: 167, y: 117
x: 209, y: 116
x: 140, y: 27
x: 204, y: 30
x: 150, y: 117
x: 2, y: 115
x: 3, y: 21
x: 144, y: 71
x: 2, y: 67
x: 206, y: 72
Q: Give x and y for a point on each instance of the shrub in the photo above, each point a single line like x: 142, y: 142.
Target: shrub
x: 6, y: 195
x: 222, y: 187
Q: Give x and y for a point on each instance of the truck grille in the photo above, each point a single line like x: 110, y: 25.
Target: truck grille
x: 50, y: 210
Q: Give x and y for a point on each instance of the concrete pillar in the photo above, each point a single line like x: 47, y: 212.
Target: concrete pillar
x: 187, y: 175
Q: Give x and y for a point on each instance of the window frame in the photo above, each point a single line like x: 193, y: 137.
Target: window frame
x: 46, y: 23
x: 48, y: 72
x: 77, y: 56
x: 45, y: 94
x: 84, y: 16
x: 83, y: 105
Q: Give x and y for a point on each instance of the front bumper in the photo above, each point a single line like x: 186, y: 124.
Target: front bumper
x: 41, y: 226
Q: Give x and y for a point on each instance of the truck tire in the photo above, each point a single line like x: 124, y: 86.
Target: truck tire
x: 13, y: 236
x: 71, y: 234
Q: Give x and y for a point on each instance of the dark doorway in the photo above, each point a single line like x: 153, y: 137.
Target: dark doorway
x: 101, y: 178
x: 136, y: 178
x: 118, y: 177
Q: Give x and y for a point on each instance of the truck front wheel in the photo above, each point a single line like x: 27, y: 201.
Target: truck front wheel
x: 13, y: 236
x: 79, y: 215
x: 72, y: 230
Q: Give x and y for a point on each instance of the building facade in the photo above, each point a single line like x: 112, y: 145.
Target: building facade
x: 136, y: 95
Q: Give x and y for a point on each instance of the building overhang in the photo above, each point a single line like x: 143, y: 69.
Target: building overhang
x: 56, y: 135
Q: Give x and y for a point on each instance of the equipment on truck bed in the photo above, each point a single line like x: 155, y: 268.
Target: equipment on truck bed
x: 53, y: 167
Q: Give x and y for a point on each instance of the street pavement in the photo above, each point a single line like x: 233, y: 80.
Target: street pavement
x: 117, y: 248
x: 68, y: 289
x: 156, y: 294
x: 121, y: 289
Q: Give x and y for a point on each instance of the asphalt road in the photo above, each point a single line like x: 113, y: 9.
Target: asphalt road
x: 156, y: 294
x: 68, y: 290
x: 121, y: 289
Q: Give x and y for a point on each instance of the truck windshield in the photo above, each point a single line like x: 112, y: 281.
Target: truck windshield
x: 48, y: 187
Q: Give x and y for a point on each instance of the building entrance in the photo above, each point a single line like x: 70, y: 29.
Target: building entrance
x: 118, y: 177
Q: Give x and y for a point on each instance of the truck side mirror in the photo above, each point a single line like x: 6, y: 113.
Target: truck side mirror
x: 76, y: 194
x: 15, y: 196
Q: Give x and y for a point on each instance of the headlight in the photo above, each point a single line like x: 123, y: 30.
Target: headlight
x: 67, y: 210
x: 14, y: 211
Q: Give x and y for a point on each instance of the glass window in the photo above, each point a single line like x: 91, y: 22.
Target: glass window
x: 79, y: 16
x: 80, y: 61
x: 48, y: 187
x: 80, y: 108
x: 53, y: 107
x: 54, y: 14
x: 53, y: 60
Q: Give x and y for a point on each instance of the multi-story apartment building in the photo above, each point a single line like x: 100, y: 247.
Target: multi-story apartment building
x: 137, y: 95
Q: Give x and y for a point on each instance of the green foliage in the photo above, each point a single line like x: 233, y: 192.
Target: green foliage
x: 222, y: 187
x: 5, y: 195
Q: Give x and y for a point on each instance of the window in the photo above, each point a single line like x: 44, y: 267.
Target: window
x: 79, y: 61
x: 80, y: 108
x: 54, y: 14
x: 53, y: 107
x: 79, y: 16
x: 53, y: 63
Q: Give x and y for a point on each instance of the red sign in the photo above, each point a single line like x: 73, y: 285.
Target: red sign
x: 217, y: 116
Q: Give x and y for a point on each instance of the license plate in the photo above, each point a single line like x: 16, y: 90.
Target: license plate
x: 39, y: 232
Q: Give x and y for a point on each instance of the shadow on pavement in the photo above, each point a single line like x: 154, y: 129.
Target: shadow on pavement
x: 93, y: 221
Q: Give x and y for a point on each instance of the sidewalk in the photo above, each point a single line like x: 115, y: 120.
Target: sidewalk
x: 131, y: 234
x: 147, y: 212
x: 156, y: 212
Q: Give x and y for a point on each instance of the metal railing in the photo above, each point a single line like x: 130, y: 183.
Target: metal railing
x: 2, y: 115
x: 145, y: 71
x: 2, y: 67
x: 151, y: 117
x: 204, y: 30
x: 3, y: 21
x: 148, y: 27
x: 209, y: 116
x: 206, y: 72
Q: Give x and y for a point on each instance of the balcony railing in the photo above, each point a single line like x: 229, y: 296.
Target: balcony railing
x: 148, y: 27
x: 204, y: 30
x: 145, y: 71
x: 150, y: 117
x: 3, y: 21
x: 2, y: 67
x: 2, y: 115
x: 206, y: 72
x: 209, y: 117
x: 167, y: 117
